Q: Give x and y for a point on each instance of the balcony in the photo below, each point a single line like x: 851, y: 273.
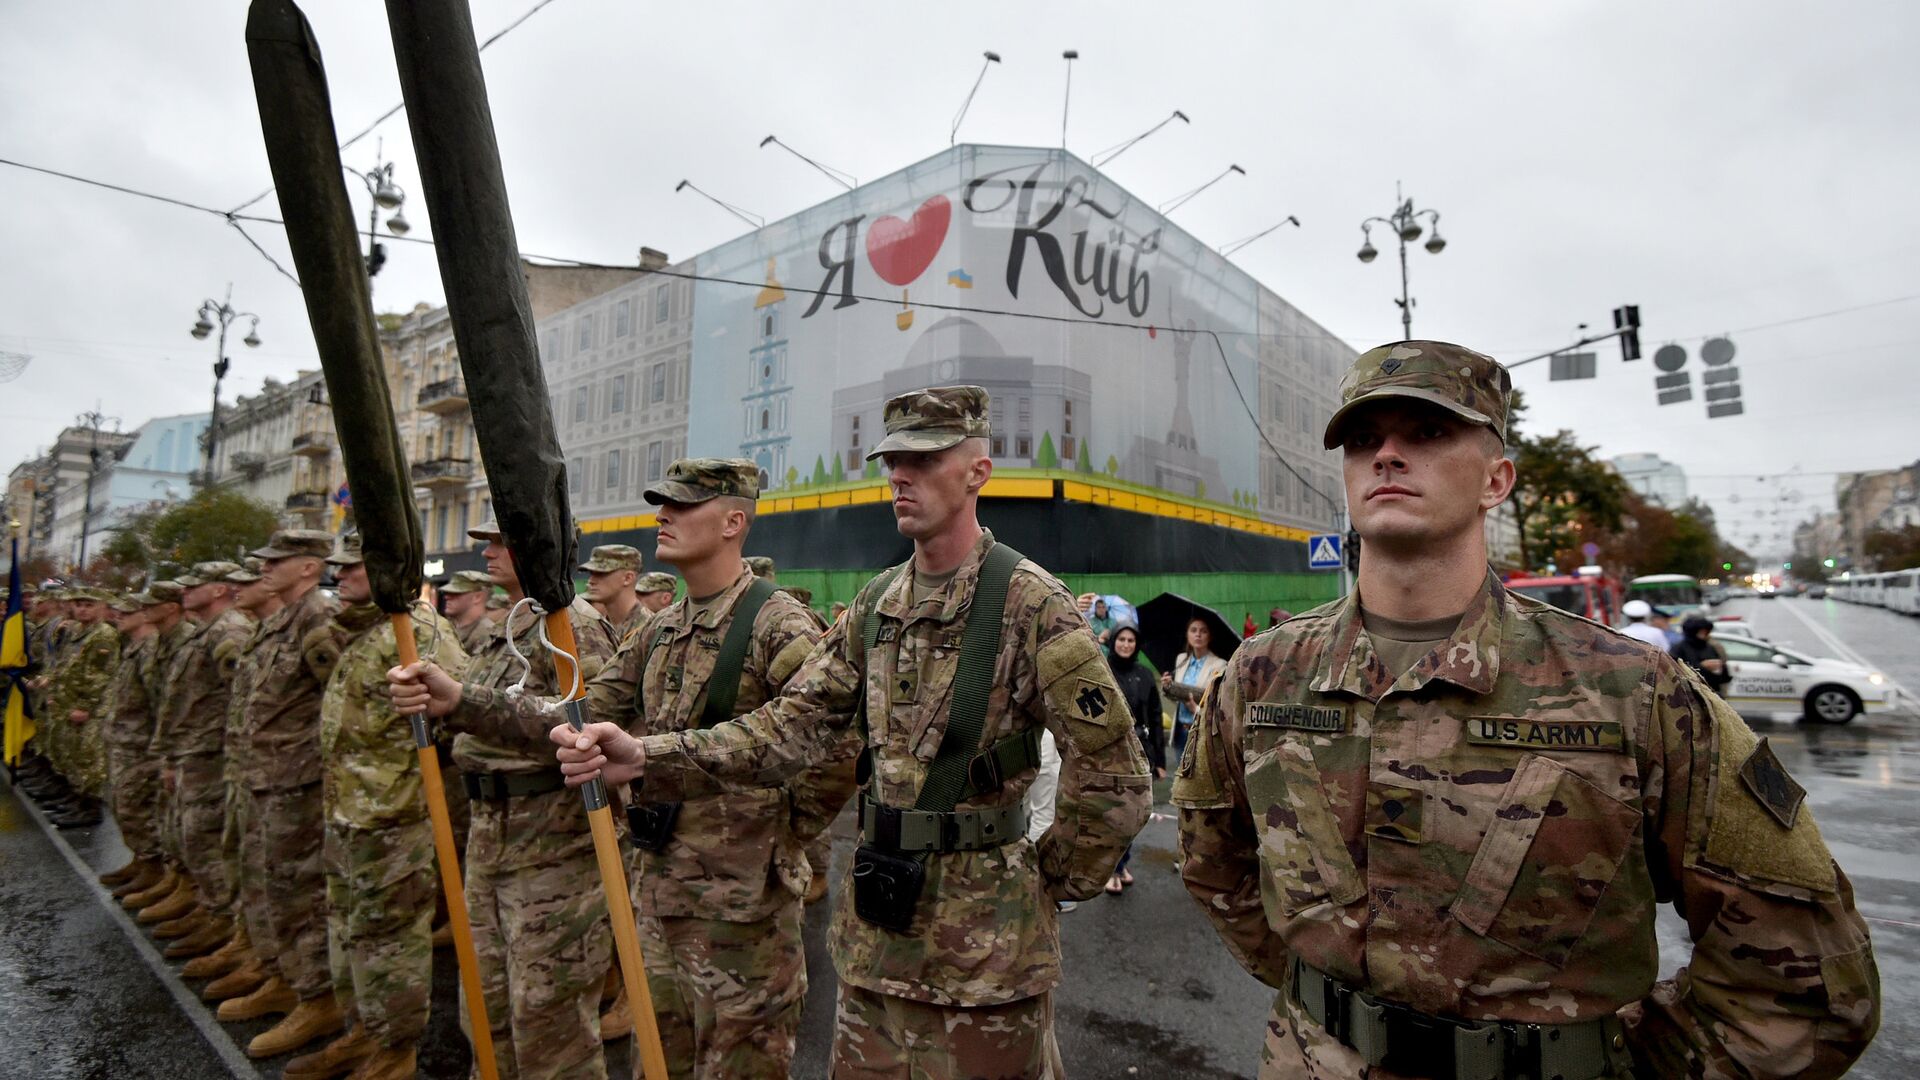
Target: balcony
x: 316, y: 444
x: 445, y: 396
x: 443, y: 471
x: 248, y: 463
x: 306, y: 501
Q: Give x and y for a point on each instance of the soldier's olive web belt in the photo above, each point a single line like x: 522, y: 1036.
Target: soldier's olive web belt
x: 1419, y: 1044
x: 895, y: 829
x: 499, y: 787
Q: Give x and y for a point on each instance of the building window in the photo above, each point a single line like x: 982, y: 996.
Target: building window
x: 461, y: 531
x: 660, y: 304
x: 583, y: 335
x: 1067, y: 448
x: 1023, y: 446
x: 486, y: 507
x: 553, y: 346
x: 854, y: 464
x: 440, y: 529
x: 763, y: 419
x: 581, y: 399
x: 617, y: 395
x: 999, y: 446
x: 1067, y: 420
x: 653, y: 462
x: 573, y: 477
x: 623, y: 318
x: 613, y: 471
x: 658, y: 392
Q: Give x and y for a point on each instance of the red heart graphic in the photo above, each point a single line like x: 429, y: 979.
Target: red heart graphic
x: 901, y: 250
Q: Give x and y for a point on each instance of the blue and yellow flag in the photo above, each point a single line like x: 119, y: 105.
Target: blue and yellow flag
x: 14, y: 659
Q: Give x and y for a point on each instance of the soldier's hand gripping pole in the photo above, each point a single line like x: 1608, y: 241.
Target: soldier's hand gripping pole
x: 449, y: 860
x: 606, y: 847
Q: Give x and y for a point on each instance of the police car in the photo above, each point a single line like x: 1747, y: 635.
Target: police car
x: 1771, y: 678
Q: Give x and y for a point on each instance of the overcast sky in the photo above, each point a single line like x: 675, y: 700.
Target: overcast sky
x: 1724, y: 165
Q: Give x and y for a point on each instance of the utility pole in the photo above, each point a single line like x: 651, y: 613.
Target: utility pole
x: 91, y: 420
x: 224, y: 311
x: 1405, y: 223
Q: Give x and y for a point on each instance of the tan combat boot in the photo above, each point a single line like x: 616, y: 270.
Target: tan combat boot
x: 176, y: 903
x: 238, y: 983
x: 311, y: 1019
x: 337, y: 1058
x: 124, y: 874
x: 149, y: 876
x: 194, y: 921
x: 390, y: 1063
x: 230, y: 955
x: 154, y: 893
x: 273, y: 996
x: 213, y: 935
x: 617, y: 1022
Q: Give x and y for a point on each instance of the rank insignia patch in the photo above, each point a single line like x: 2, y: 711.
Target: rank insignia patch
x: 1767, y: 780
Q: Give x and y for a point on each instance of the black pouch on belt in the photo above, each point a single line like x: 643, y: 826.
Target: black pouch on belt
x: 651, y: 824
x: 886, y: 887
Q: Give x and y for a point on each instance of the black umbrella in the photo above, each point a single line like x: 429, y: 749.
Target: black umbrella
x: 1163, y: 630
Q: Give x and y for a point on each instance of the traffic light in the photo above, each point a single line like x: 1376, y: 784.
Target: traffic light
x: 1627, y: 321
x: 1829, y: 564
x: 1726, y: 566
x: 376, y: 259
x: 1786, y: 566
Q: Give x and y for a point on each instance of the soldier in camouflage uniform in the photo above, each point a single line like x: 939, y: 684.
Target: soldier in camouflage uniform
x: 820, y: 848
x: 533, y: 885
x: 171, y: 629
x: 279, y: 749
x: 379, y: 843
x: 467, y: 595
x: 189, y: 729
x: 77, y: 705
x: 612, y: 570
x: 1437, y: 816
x: 965, y: 990
x: 235, y: 966
x: 655, y: 589
x: 126, y: 730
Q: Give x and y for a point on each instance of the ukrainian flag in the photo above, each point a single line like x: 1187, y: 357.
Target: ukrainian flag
x: 14, y: 658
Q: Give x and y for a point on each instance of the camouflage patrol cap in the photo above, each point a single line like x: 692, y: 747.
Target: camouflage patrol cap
x: 933, y: 419
x: 87, y: 592
x: 466, y: 581
x: 346, y: 551
x: 1468, y: 384
x: 610, y: 557
x: 761, y: 566
x: 695, y: 480
x: 488, y: 530
x: 656, y: 581
x: 288, y: 543
x: 248, y: 573
x: 205, y: 573
x: 126, y: 605
x: 165, y: 592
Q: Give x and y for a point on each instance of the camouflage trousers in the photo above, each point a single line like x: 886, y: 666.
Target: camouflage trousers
x: 727, y: 995
x: 380, y: 889
x: 540, y: 934
x: 51, y: 737
x: 459, y: 814
x: 281, y: 852
x: 87, y: 758
x: 200, y: 816
x: 136, y: 796
x: 880, y: 1037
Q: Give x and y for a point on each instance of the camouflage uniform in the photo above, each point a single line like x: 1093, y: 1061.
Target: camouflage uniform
x: 189, y: 729
x: 473, y: 637
x: 533, y: 885
x: 612, y: 558
x: 166, y: 812
x: 379, y: 841
x: 720, y: 909
x: 132, y: 770
x: 1483, y: 837
x: 279, y: 749
x: 81, y: 683
x: 247, y: 891
x: 984, y: 934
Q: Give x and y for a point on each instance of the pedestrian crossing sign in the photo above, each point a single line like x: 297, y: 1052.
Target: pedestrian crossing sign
x: 1323, y: 552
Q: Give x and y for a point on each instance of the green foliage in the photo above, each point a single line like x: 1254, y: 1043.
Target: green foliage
x: 792, y: 478
x: 1047, y: 457
x: 839, y: 470
x: 872, y: 471
x: 1113, y: 466
x: 214, y: 524
x: 1563, y: 495
x: 1199, y: 489
x: 1892, y: 549
x: 819, y: 471
x: 1084, y: 462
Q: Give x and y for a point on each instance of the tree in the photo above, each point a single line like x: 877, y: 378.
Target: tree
x: 1047, y: 457
x: 819, y: 471
x: 872, y: 471
x: 1084, y: 462
x: 215, y: 524
x: 793, y: 476
x: 1562, y: 492
x: 839, y: 470
x: 1113, y: 466
x: 1892, y: 549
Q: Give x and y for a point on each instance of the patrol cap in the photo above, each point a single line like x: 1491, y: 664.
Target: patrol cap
x: 205, y: 573
x: 346, y: 551
x: 99, y: 596
x: 1468, y: 384
x: 466, y: 581
x: 287, y: 543
x: 695, y: 480
x: 488, y: 530
x: 1636, y: 609
x: 655, y: 581
x: 165, y: 592
x: 933, y: 419
x: 127, y: 605
x: 761, y: 565
x: 610, y: 557
x: 248, y: 573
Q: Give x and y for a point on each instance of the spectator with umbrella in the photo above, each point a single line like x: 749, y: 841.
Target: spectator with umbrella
x: 1143, y: 701
x: 1203, y: 641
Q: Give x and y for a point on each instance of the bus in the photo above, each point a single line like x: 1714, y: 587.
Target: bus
x: 1588, y: 595
x: 1678, y: 595
x: 1895, y: 590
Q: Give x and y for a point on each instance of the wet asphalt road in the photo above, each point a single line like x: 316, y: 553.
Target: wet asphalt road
x: 1149, y: 990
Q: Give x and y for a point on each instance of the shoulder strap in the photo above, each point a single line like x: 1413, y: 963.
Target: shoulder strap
x: 724, y: 686
x: 972, y: 683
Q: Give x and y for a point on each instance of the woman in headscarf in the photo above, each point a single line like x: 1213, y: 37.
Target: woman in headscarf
x: 1697, y: 650
x: 1143, y: 702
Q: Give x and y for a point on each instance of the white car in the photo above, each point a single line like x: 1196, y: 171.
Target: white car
x: 1768, y: 677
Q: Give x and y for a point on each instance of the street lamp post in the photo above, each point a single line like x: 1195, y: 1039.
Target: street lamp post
x: 224, y: 311
x: 92, y: 421
x: 386, y: 196
x: 1405, y: 223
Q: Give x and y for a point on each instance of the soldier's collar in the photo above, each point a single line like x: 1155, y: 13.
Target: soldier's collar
x: 944, y: 606
x: 1470, y: 658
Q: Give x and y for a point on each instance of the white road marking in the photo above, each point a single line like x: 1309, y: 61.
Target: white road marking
x: 189, y: 1002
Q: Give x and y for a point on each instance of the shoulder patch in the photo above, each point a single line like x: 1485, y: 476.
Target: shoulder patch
x: 1767, y: 780
x: 1758, y: 831
x: 1196, y: 782
x: 1078, y: 687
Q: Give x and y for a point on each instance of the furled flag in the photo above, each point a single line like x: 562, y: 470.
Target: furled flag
x: 14, y: 660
